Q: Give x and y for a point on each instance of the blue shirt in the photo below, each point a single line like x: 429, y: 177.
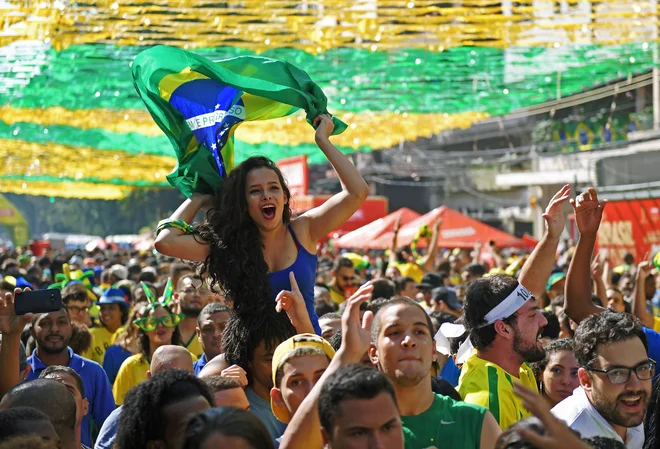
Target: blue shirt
x: 304, y: 268
x: 97, y: 389
x: 108, y: 432
x: 199, y: 364
x: 114, y: 357
x: 450, y: 372
x: 653, y: 339
x: 261, y: 409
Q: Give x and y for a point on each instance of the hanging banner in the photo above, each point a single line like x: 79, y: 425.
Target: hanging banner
x: 630, y: 226
x: 296, y: 173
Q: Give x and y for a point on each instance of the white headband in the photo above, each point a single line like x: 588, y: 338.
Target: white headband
x: 509, y: 306
x: 505, y: 309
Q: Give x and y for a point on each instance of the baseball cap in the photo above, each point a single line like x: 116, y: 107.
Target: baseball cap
x: 119, y: 271
x: 448, y: 296
x: 281, y: 355
x: 431, y: 281
x: 554, y: 278
x: 114, y: 296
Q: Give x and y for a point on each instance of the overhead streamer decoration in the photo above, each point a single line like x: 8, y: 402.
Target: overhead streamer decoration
x: 199, y: 103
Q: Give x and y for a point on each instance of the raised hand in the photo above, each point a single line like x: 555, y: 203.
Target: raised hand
x: 10, y: 323
x: 206, y: 201
x: 324, y: 126
x: 293, y: 303
x: 554, y: 216
x: 356, y: 336
x: 558, y: 435
x: 437, y: 224
x: 597, y: 268
x: 236, y: 372
x: 588, y: 211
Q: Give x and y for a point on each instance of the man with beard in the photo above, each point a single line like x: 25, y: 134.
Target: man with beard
x: 52, y: 332
x: 505, y: 326
x: 403, y: 349
x: 615, y: 380
x: 343, y: 274
x: 211, y: 324
x: 192, y: 295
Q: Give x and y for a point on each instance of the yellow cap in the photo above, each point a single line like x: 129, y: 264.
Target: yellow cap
x: 280, y: 356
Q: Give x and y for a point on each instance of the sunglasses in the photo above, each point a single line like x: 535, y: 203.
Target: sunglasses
x: 150, y: 324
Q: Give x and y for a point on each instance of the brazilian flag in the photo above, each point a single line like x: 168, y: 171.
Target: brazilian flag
x: 199, y: 104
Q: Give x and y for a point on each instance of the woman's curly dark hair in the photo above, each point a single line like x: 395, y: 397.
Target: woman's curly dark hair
x: 236, y: 262
x: 143, y: 339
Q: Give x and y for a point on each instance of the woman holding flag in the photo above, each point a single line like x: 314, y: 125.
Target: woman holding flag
x: 250, y: 244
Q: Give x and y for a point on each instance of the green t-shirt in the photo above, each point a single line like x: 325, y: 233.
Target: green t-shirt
x: 447, y: 424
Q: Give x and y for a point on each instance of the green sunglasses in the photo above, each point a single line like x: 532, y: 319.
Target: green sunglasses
x: 150, y: 324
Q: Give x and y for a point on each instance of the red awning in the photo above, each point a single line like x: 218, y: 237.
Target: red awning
x: 361, y: 237
x: 457, y: 231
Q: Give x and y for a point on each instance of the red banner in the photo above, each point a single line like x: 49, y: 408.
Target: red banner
x: 631, y: 226
x: 296, y: 174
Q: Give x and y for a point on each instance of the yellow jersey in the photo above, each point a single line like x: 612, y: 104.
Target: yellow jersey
x: 337, y: 297
x: 102, y: 339
x: 194, y: 347
x: 131, y: 373
x: 485, y: 383
x: 411, y: 270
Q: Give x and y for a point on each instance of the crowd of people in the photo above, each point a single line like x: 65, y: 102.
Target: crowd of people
x: 239, y: 332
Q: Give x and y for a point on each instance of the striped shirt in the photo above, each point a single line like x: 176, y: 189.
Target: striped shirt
x: 485, y: 383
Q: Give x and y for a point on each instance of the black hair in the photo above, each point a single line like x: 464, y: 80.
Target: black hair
x: 236, y: 262
x: 401, y: 283
x: 563, y: 344
x: 210, y: 309
x: 481, y: 297
x: 396, y: 301
x: 142, y: 418
x: 74, y: 292
x: 604, y: 328
x: 440, y: 318
x: 651, y: 420
x: 54, y: 369
x: 147, y: 276
x: 11, y: 418
x: 51, y: 398
x: 245, y: 332
x: 551, y: 330
x: 383, y: 288
x: 143, y: 339
x: 342, y: 262
x: 375, y: 304
x: 228, y: 421
x: 321, y: 307
x: 350, y: 382
x: 511, y: 439
x: 335, y: 340
x: 330, y: 316
x: 475, y: 269
x: 220, y: 383
x: 399, y: 253
x: 595, y: 299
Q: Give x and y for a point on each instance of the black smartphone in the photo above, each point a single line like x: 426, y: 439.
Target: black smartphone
x: 39, y: 301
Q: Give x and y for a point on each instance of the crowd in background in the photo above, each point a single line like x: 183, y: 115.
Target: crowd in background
x: 451, y: 348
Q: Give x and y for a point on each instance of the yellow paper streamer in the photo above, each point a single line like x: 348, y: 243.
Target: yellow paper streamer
x: 370, y: 129
x: 27, y: 159
x: 318, y: 25
x: 79, y: 190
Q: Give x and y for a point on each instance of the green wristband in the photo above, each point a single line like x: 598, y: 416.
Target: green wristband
x: 178, y: 224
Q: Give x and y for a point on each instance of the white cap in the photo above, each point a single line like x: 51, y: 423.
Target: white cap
x: 119, y: 271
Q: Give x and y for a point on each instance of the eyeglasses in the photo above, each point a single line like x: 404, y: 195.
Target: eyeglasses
x: 621, y: 375
x: 346, y: 278
x: 150, y: 324
x: 76, y: 309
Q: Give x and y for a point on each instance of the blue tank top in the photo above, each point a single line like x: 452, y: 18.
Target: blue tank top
x: 304, y: 268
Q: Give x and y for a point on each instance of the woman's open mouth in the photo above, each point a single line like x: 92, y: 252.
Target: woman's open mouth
x: 269, y: 212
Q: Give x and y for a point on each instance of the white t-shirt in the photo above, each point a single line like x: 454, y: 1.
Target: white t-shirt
x: 578, y: 413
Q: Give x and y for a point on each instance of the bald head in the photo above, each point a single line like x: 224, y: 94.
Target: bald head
x: 171, y: 356
x: 60, y: 408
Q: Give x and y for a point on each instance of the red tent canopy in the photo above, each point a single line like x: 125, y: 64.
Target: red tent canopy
x: 361, y: 237
x: 457, y: 231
